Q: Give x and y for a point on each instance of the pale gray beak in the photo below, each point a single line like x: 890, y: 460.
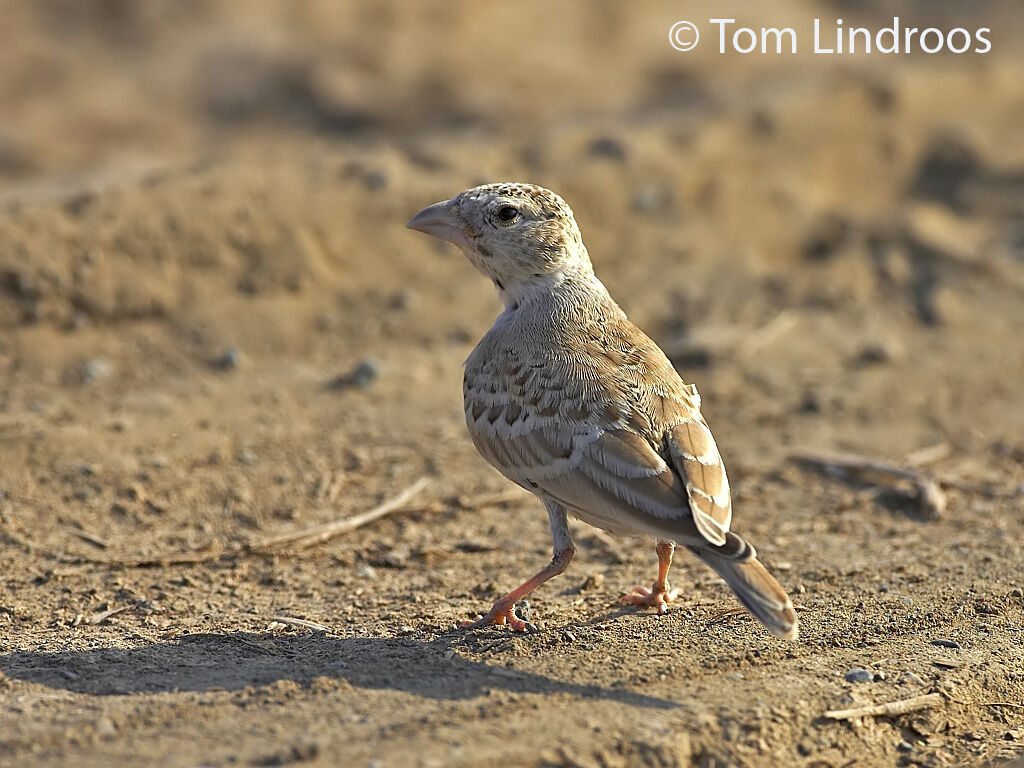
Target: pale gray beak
x: 440, y: 221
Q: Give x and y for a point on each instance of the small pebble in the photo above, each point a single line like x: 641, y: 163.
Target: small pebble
x: 593, y: 581
x: 730, y: 730
x: 105, y: 727
x: 403, y: 300
x: 905, y: 746
x: 94, y: 370
x: 367, y: 572
x: 523, y: 610
x: 653, y: 199
x: 859, y: 675
x: 872, y: 353
x: 362, y: 376
x: 809, y: 402
x: 762, y: 123
x: 879, y: 352
x: 78, y: 202
x: 910, y: 677
x: 375, y: 180
x: 613, y: 149
x: 943, y: 643
x: 229, y: 360
x: 826, y: 236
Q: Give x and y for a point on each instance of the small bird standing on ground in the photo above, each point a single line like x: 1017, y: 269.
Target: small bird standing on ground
x: 568, y: 399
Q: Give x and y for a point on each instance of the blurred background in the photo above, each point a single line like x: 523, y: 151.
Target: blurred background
x: 214, y: 326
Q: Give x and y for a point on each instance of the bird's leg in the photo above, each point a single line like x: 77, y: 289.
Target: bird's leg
x: 504, y: 610
x: 659, y: 595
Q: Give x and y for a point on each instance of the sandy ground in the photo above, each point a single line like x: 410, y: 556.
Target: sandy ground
x: 201, y: 236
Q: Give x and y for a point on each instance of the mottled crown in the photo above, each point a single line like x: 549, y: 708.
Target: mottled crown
x: 544, y: 200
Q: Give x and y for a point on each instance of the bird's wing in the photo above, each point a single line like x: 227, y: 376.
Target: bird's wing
x: 573, y: 434
x: 696, y: 458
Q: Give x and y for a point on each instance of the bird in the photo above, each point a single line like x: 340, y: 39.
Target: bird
x: 568, y: 399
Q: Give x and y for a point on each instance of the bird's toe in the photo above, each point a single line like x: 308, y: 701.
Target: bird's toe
x: 650, y: 598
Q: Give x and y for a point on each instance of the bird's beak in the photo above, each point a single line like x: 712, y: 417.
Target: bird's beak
x: 440, y: 221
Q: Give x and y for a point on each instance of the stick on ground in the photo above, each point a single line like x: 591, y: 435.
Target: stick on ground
x: 889, y: 709
x: 318, y: 534
x: 99, y: 618
x: 291, y: 621
x: 305, y: 538
x: 1002, y: 704
x: 90, y: 538
x: 760, y: 338
x: 929, y: 496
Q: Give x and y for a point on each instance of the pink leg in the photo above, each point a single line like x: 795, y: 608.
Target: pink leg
x: 659, y: 596
x: 504, y: 610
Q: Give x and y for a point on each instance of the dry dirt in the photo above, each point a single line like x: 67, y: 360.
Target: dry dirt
x: 201, y: 235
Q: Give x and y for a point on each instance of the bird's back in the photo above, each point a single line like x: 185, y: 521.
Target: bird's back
x: 581, y: 355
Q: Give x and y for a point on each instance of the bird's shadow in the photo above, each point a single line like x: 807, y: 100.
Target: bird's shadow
x: 239, y: 660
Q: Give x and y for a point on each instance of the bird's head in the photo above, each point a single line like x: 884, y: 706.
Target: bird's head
x: 518, y: 235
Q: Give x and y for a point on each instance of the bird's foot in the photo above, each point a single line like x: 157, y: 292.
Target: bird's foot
x: 500, y: 616
x: 653, y: 598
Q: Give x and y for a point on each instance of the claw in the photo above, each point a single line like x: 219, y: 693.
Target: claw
x: 643, y: 596
x: 636, y: 592
x: 500, y: 617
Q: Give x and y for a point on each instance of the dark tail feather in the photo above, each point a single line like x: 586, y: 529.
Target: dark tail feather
x: 757, y: 589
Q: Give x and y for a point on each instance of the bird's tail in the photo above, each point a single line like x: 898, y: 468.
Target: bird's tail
x: 760, y: 593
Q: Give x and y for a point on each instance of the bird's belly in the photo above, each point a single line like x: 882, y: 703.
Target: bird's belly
x: 604, y: 523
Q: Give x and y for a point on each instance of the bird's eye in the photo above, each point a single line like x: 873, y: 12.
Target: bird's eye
x: 507, y: 213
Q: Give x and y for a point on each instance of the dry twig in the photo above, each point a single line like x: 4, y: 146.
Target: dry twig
x: 214, y: 551
x: 99, y: 618
x: 889, y: 709
x: 91, y: 538
x: 291, y: 621
x: 318, y: 534
x: 307, y: 537
x: 726, y: 614
x: 929, y: 454
x: 499, y: 499
x: 761, y: 337
x: 929, y: 496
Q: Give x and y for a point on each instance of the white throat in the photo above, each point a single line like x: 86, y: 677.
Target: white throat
x: 514, y: 292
